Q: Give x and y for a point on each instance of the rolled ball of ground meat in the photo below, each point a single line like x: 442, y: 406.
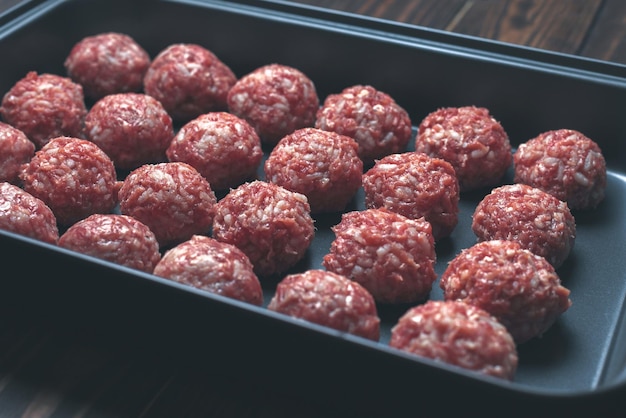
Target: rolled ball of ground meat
x: 459, y: 334
x: 565, y: 163
x: 519, y: 288
x: 529, y: 216
x: 324, y: 166
x: 217, y: 267
x: 328, y: 299
x: 392, y: 256
x: 16, y: 149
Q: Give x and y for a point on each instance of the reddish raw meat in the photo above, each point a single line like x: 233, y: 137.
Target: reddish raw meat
x: 324, y: 166
x: 107, y: 63
x: 529, y: 216
x: 471, y: 140
x: 328, y: 299
x: 189, y: 80
x: 270, y: 224
x: 132, y: 128
x: 24, y: 214
x: 459, y: 334
x: 276, y: 100
x: 392, y: 256
x: 116, y: 238
x: 214, y: 266
x: 518, y: 287
x: 566, y: 164
x: 378, y: 124
x: 16, y: 149
x: 225, y: 149
x: 74, y: 177
x: 172, y: 199
x: 45, y: 106
x: 416, y: 186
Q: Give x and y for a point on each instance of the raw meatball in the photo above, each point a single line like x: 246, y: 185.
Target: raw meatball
x: 24, y: 214
x: 566, y: 164
x: 276, y: 100
x: 107, y: 63
x: 378, y: 124
x: 116, y: 238
x: 471, y: 140
x: 16, y: 149
x: 132, y: 128
x: 416, y: 186
x: 214, y: 266
x: 519, y: 288
x: 189, y: 80
x: 459, y: 334
x: 328, y: 299
x: 533, y: 218
x: 324, y: 166
x: 45, y: 106
x: 172, y: 199
x: 270, y: 224
x: 225, y: 149
x: 392, y: 256
x: 74, y: 177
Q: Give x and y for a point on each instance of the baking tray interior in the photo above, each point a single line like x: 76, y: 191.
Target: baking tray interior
x: 582, y: 356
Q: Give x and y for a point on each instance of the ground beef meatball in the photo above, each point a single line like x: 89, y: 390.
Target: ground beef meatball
x: 107, y: 63
x: 378, y: 124
x: 74, y: 177
x: 392, y: 256
x: 459, y: 334
x: 566, y: 164
x: 324, y: 166
x: 270, y: 224
x: 189, y: 80
x: 24, y: 214
x: 519, y: 288
x: 132, y: 128
x: 172, y: 199
x: 416, y: 186
x: 225, y: 149
x: 328, y: 299
x: 116, y: 238
x: 276, y: 100
x: 533, y: 218
x: 471, y: 140
x: 217, y: 267
x: 15, y: 149
x: 45, y: 106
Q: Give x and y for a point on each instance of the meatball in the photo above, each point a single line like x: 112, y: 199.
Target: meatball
x: 566, y: 164
x: 24, y: 214
x: 471, y: 140
x: 328, y: 299
x: 217, y: 267
x: 189, y: 80
x: 16, y: 149
x: 519, y: 288
x: 116, y: 238
x: 270, y: 224
x: 378, y: 124
x: 172, y: 199
x: 392, y: 256
x: 225, y: 149
x: 416, y: 186
x: 276, y: 100
x: 74, y: 177
x: 459, y: 334
x: 107, y: 63
x: 45, y: 106
x: 324, y: 166
x: 533, y: 218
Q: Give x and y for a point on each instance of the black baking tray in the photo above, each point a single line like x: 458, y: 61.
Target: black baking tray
x: 579, y: 364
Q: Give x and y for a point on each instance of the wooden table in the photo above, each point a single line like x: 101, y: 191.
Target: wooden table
x: 47, y: 371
